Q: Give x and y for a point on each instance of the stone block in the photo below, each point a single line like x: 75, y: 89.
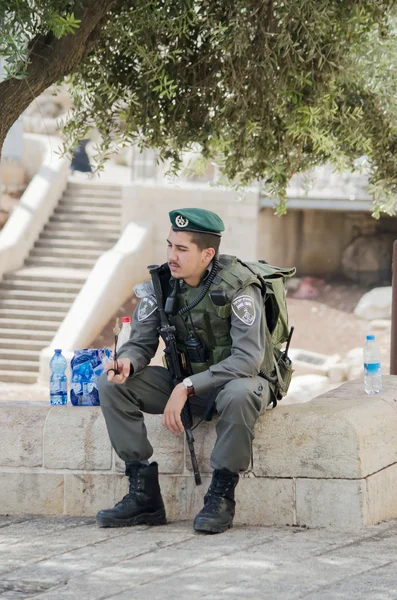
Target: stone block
x: 338, y: 373
x: 75, y: 437
x: 167, y: 448
x: 88, y: 493
x: 312, y: 363
x: 21, y: 434
x: 183, y: 499
x: 380, y: 324
x: 342, y: 434
x: 375, y: 304
x: 329, y: 503
x: 380, y: 496
x: 31, y: 493
x: 262, y: 501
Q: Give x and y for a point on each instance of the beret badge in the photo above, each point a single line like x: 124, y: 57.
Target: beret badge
x: 181, y: 221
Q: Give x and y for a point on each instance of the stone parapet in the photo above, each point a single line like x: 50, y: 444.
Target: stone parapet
x: 329, y: 462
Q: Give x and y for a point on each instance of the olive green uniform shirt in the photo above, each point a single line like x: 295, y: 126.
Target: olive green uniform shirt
x: 247, y: 352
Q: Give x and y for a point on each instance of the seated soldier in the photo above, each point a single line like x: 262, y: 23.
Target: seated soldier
x: 233, y: 338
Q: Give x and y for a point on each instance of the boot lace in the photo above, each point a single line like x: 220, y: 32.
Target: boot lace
x: 134, y: 483
x: 222, y: 486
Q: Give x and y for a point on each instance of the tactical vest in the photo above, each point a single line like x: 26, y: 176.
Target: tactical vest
x: 212, y: 323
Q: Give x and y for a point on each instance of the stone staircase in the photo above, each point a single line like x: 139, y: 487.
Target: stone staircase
x: 35, y: 299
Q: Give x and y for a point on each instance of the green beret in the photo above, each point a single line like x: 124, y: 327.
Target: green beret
x: 196, y: 219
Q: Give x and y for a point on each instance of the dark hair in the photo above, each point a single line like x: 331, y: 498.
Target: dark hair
x: 205, y: 240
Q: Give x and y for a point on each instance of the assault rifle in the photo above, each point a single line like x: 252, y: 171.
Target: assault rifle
x: 167, y: 333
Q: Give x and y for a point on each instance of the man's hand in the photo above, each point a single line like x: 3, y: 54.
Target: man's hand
x: 123, y: 365
x: 172, y: 412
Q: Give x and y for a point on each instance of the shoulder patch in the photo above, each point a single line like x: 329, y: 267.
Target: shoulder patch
x: 146, y: 307
x: 244, y: 309
x: 144, y: 289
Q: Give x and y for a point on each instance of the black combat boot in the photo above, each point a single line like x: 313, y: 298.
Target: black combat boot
x: 218, y: 512
x: 142, y: 505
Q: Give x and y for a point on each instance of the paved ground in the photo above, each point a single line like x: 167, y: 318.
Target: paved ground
x: 69, y: 558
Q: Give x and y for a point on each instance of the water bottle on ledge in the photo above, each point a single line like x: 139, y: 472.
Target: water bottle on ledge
x: 372, y: 368
x: 58, y: 381
x: 125, y: 332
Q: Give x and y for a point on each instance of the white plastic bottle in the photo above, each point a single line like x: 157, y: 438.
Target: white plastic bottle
x: 372, y: 368
x: 125, y: 332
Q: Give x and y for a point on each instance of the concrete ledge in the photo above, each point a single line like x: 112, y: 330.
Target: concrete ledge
x: 329, y: 462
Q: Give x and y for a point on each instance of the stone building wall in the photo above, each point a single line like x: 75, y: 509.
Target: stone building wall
x: 315, y: 241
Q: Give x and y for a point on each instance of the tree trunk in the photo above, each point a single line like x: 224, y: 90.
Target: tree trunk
x: 50, y: 60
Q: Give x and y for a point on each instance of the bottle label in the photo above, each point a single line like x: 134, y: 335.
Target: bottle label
x: 372, y: 368
x: 58, y: 384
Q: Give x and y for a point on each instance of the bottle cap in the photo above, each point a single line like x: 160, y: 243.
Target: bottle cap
x: 126, y: 320
x: 370, y: 337
x: 57, y: 350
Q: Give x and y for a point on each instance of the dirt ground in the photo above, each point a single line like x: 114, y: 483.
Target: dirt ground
x: 325, y: 324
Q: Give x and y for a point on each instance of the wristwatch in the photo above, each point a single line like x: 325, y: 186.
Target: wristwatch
x: 188, y: 383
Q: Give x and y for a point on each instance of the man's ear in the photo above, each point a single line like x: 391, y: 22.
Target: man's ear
x: 209, y: 254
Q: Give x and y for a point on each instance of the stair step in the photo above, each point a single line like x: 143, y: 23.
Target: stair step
x: 19, y: 354
x: 89, y: 219
x: 9, y: 335
x: 35, y: 305
x: 36, y: 324
x: 61, y: 262
x: 114, y: 187
x: 73, y: 244
x: 92, y: 192
x: 89, y: 231
x: 90, y: 211
x: 17, y: 294
x: 79, y: 237
x: 87, y: 202
x: 18, y: 376
x: 47, y: 275
x: 56, y: 252
x: 24, y: 344
x: 19, y: 365
x: 20, y: 285
x: 26, y: 316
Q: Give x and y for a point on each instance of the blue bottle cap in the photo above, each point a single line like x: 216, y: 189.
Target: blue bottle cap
x: 57, y: 350
x: 370, y: 337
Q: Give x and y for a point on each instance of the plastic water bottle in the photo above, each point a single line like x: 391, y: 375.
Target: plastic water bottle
x: 58, y: 381
x: 125, y: 332
x: 372, y: 368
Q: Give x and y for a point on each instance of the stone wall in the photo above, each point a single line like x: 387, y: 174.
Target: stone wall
x: 148, y: 199
x: 314, y: 241
x: 328, y: 462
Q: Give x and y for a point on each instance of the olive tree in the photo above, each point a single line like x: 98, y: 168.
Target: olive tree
x: 267, y: 88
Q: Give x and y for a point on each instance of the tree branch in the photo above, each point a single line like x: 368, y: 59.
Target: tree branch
x: 50, y: 60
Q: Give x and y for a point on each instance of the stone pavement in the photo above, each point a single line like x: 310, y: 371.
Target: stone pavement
x: 70, y: 558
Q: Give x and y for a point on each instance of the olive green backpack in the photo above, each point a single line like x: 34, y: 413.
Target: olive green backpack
x: 273, y: 282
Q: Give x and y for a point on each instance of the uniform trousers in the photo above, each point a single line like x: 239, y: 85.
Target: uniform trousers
x: 238, y: 404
